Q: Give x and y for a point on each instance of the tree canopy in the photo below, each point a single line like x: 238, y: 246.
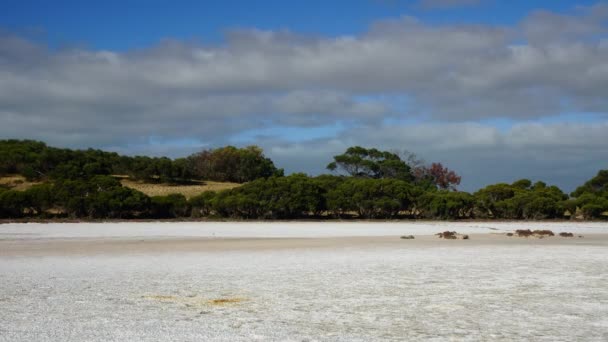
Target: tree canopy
x: 231, y: 164
x: 361, y: 162
x: 35, y: 160
x: 373, y: 184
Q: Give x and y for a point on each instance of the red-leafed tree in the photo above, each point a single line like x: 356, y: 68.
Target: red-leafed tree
x: 434, y: 175
x: 442, y: 177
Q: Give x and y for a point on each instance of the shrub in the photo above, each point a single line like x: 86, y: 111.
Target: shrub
x: 523, y: 232
x: 448, y: 235
x: 170, y: 206
x: 544, y: 232
x: 537, y: 233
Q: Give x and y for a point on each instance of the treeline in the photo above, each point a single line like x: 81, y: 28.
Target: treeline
x: 372, y: 185
x: 299, y: 196
x: 37, y: 161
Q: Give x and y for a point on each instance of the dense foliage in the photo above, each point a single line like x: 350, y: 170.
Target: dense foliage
x: 379, y: 185
x: 371, y: 163
x: 35, y: 160
x: 591, y: 197
x: 231, y: 164
x: 521, y: 200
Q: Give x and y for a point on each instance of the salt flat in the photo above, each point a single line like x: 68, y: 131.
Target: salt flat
x: 277, y: 229
x: 310, y: 281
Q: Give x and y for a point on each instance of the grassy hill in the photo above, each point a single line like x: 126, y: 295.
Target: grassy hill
x: 188, y: 190
x: 18, y: 182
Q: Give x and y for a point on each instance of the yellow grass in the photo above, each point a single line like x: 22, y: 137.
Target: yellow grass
x: 224, y: 301
x: 195, y: 300
x: 16, y: 182
x: 189, y: 190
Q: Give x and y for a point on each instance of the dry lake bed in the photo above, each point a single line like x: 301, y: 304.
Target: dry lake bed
x: 301, y: 282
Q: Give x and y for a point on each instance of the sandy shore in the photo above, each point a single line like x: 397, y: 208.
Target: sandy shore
x: 122, y: 245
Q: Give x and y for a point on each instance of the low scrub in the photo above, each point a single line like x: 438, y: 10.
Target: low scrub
x: 452, y: 235
x: 535, y: 233
x: 447, y: 235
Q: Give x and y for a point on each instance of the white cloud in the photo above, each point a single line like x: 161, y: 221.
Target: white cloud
x: 563, y: 154
x: 403, y: 69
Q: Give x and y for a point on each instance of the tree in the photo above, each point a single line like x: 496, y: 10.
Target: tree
x: 371, y: 198
x: 448, y: 205
x: 523, y: 184
x: 371, y: 163
x: 170, y: 206
x: 440, y: 176
x: 13, y: 204
x: 202, y: 205
x: 233, y: 164
x: 592, y: 205
x: 489, y: 198
x: 596, y: 185
x: 40, y: 198
x: 521, y: 200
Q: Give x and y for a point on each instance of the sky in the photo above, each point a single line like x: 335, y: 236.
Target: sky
x: 496, y: 90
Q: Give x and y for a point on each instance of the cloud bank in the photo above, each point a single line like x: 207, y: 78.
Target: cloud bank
x: 403, y: 84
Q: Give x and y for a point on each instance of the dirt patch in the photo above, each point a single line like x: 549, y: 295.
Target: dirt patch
x: 533, y: 233
x: 545, y: 232
x: 194, y: 300
x: 448, y: 235
x: 17, y: 182
x: 566, y: 234
x: 225, y: 301
x: 188, y: 190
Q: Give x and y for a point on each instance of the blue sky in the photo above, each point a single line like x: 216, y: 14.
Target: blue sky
x: 123, y: 25
x: 497, y: 90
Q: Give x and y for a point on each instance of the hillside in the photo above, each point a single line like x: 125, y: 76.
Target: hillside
x: 188, y: 190
x: 19, y: 183
x: 16, y: 182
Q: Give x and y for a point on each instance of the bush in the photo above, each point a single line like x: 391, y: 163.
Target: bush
x: 170, y: 206
x: 523, y: 232
x: 447, y: 205
x: 544, y: 232
x: 372, y: 198
x: 202, y: 205
x: 13, y: 204
x: 537, y: 233
x: 448, y: 235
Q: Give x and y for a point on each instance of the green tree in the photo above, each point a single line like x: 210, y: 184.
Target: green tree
x: 596, y: 185
x: 170, y: 206
x: 371, y: 163
x: 447, y: 205
x: 371, y: 198
x: 233, y: 164
x: 202, y: 205
x: 13, y: 204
